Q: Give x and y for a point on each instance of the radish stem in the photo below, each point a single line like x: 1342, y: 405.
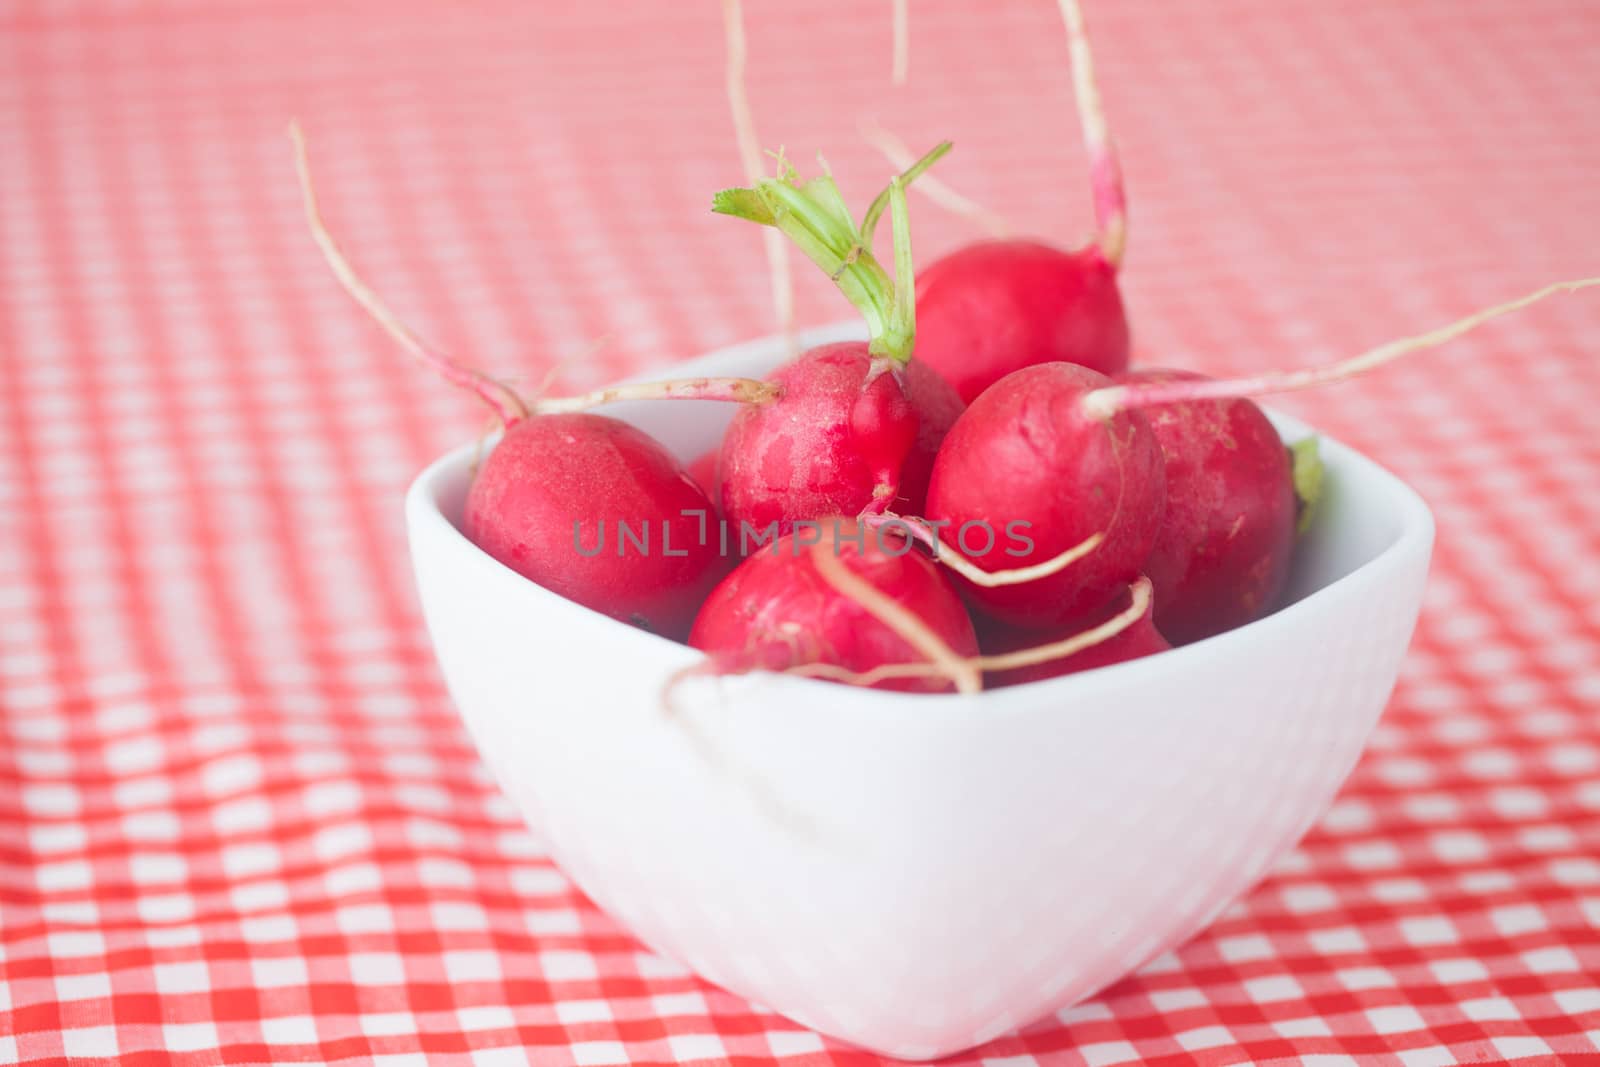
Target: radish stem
x: 1105, y: 170
x: 507, y: 405
x: 1103, y: 403
x: 504, y: 401
x: 941, y: 657
x: 735, y: 390
x: 813, y: 215
x: 1024, y: 657
x: 913, y: 171
x: 1306, y: 469
x: 924, y: 532
x: 897, y: 153
x: 1067, y: 646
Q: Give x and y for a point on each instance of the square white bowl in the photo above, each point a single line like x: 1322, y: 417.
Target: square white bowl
x: 918, y: 874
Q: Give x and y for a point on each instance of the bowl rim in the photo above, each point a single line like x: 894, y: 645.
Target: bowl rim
x: 1415, y: 532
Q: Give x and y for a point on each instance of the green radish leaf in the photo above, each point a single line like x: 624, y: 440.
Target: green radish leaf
x: 823, y: 192
x: 745, y: 204
x: 869, y: 221
x: 812, y: 213
x: 1308, y: 468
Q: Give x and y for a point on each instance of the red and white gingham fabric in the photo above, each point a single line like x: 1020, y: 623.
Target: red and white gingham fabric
x: 239, y: 821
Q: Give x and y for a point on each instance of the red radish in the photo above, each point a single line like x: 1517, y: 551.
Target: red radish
x: 857, y: 423
x: 779, y: 609
x: 840, y: 600
x: 1028, y: 455
x: 1108, y: 401
x: 1141, y: 638
x: 586, y: 506
x: 942, y: 663
x: 998, y: 306
x: 1230, y: 480
x: 1222, y: 556
x: 601, y: 513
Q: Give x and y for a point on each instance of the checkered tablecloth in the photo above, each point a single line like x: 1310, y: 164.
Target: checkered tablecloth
x: 239, y: 820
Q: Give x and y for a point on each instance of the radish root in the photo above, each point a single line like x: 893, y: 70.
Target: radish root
x: 562, y: 365
x: 1103, y: 403
x: 759, y: 789
x: 507, y: 405
x: 899, y: 155
x: 902, y: 41
x: 735, y: 390
x: 943, y: 661
x: 924, y: 533
x: 504, y: 401
x: 1105, y: 169
x: 744, y: 128
x: 1139, y: 605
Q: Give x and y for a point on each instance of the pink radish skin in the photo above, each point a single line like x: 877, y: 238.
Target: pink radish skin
x: 1027, y: 451
x: 835, y: 442
x: 776, y: 611
x: 1222, y: 556
x: 1137, y: 641
x: 552, y: 471
x: 995, y: 307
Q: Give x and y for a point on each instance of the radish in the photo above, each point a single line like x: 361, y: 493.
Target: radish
x: 856, y: 425
x: 1111, y: 400
x: 1221, y: 557
x: 997, y: 306
x: 598, y: 511
x: 1028, y: 452
x: 1139, y: 639
x: 1066, y: 451
x: 781, y: 608
x: 587, y: 506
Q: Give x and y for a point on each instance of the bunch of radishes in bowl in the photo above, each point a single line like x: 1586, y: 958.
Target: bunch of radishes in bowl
x: 981, y: 492
x: 979, y: 495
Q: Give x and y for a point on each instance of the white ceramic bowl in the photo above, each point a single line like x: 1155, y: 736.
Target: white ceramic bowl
x: 919, y: 874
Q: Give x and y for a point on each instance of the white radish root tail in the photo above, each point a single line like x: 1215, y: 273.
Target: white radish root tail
x: 1105, y: 169
x: 507, y: 405
x: 902, y: 41
x: 760, y: 791
x: 565, y: 363
x: 924, y: 532
x: 734, y: 390
x: 1103, y: 403
x: 901, y: 158
x: 505, y: 402
x: 744, y: 129
x: 1138, y: 606
x: 944, y: 660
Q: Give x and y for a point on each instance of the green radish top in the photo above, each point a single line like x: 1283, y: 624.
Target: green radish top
x: 813, y: 215
x: 1307, y: 463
